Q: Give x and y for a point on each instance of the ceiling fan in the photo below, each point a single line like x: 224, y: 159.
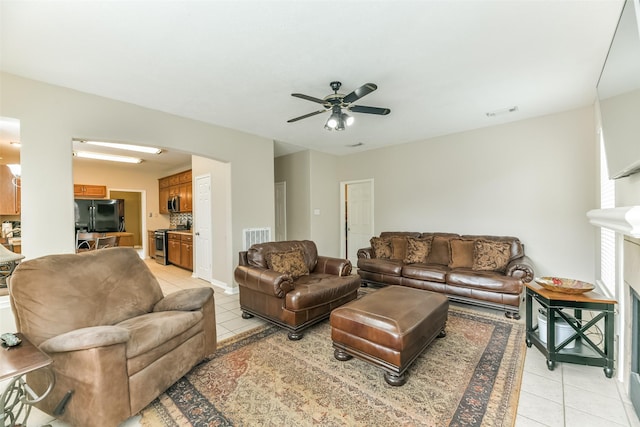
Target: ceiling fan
x: 337, y: 101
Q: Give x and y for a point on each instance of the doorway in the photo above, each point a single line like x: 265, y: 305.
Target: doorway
x: 132, y: 213
x: 356, y: 206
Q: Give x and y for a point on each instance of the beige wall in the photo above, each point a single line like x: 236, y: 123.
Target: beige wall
x: 325, y: 199
x: 534, y: 179
x: 294, y: 170
x: 51, y: 116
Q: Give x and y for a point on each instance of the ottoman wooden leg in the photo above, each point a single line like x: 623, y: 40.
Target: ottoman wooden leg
x: 395, y: 379
x: 295, y: 336
x: 341, y: 355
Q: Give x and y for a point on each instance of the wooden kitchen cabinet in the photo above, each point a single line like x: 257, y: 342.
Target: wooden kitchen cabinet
x: 90, y: 191
x: 185, y: 193
x: 186, y: 251
x: 175, y: 185
x: 180, y: 251
x: 163, y: 196
x: 173, y: 250
x: 9, y: 193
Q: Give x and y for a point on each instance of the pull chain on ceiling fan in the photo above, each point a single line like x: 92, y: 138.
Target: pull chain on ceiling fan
x: 335, y: 102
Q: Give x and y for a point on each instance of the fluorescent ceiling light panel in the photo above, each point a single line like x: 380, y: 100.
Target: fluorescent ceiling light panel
x: 109, y: 157
x: 128, y: 147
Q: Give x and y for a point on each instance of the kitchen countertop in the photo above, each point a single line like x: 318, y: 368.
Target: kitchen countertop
x: 183, y: 232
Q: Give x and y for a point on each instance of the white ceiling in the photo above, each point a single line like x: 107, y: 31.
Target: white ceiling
x: 440, y: 66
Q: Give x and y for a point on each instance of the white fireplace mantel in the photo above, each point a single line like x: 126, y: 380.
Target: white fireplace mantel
x: 625, y: 220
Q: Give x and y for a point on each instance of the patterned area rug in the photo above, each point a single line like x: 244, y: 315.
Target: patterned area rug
x: 469, y: 378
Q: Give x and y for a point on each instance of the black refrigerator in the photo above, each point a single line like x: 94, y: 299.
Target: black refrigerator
x: 99, y: 215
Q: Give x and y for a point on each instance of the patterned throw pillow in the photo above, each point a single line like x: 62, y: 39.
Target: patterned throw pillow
x: 289, y: 262
x: 490, y: 255
x: 417, y: 250
x: 381, y: 247
x: 461, y: 253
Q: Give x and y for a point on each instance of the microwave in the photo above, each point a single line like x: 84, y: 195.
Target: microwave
x: 173, y: 204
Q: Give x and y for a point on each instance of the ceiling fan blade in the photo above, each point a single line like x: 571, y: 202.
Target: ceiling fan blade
x: 305, y: 116
x: 363, y: 90
x: 369, y: 110
x: 309, y: 98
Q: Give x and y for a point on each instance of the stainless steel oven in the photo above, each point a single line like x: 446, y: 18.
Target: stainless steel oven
x: 161, y: 246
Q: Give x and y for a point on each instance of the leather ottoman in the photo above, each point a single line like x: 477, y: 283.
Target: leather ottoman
x: 389, y: 328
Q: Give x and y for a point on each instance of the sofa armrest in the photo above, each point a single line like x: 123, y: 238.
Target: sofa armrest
x: 336, y: 266
x: 521, y: 268
x: 365, y: 253
x: 82, y: 339
x: 267, y: 281
x: 185, y: 300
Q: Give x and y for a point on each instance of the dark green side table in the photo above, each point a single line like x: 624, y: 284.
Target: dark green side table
x: 585, y: 351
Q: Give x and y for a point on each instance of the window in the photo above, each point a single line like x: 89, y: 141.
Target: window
x: 607, y: 236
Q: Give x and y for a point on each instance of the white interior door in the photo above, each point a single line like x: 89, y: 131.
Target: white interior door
x: 281, y: 211
x: 202, y: 232
x: 358, y: 217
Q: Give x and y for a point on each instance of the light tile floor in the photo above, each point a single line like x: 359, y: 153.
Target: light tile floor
x: 569, y: 396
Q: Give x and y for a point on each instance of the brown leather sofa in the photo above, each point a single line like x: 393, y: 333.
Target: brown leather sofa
x: 288, y: 284
x: 115, y: 341
x: 483, y: 270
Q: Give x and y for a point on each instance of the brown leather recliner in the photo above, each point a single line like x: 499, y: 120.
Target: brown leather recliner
x: 293, y: 293
x: 115, y: 341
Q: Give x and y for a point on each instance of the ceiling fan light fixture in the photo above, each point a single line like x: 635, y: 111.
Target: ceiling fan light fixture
x: 348, y: 119
x: 337, y: 101
x: 334, y: 119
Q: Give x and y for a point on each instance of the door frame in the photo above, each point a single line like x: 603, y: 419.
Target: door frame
x: 283, y: 184
x: 343, y: 211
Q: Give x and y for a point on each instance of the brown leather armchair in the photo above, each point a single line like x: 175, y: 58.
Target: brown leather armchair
x: 288, y: 284
x: 115, y: 341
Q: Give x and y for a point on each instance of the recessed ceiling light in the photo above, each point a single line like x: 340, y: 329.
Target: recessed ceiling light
x: 502, y: 111
x: 128, y: 147
x: 108, y: 157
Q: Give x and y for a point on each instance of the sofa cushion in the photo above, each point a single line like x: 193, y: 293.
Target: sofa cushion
x: 417, y: 250
x: 461, y: 255
x: 428, y: 272
x: 382, y: 266
x: 381, y: 247
x: 288, y: 262
x: 491, y: 255
x: 258, y: 253
x: 398, y: 247
x: 517, y: 248
x: 490, y: 281
x: 152, y: 329
x: 318, y: 289
x: 439, y: 253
